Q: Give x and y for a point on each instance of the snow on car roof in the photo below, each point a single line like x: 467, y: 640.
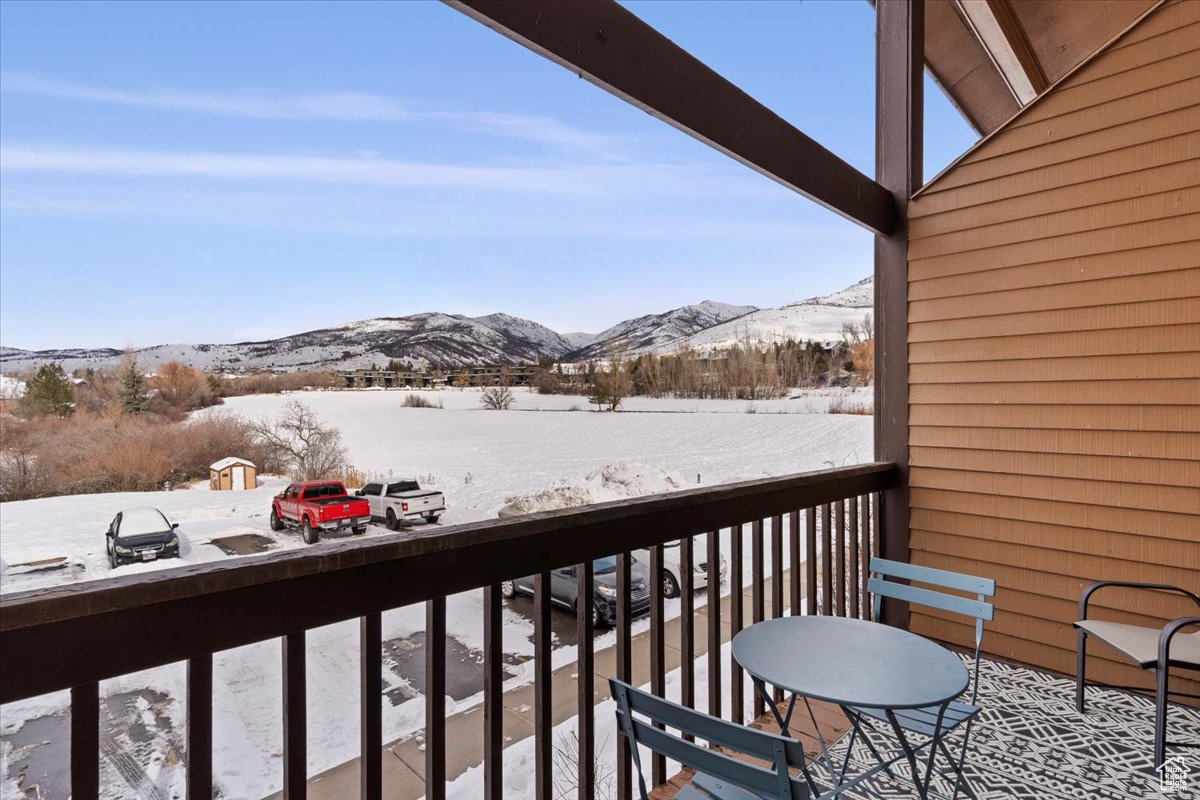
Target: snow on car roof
x: 229, y: 462
x: 136, y: 521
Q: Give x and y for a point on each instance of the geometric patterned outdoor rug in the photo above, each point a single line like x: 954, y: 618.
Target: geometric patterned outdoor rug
x: 1029, y: 742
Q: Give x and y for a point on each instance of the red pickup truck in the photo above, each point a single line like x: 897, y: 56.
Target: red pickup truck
x: 317, y: 506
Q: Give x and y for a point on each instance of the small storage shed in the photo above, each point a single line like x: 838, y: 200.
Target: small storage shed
x: 237, y: 474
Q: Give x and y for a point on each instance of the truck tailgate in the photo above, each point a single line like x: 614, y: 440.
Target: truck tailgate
x: 417, y: 502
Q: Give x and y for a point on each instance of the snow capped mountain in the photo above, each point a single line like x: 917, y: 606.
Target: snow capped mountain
x: 656, y: 331
x: 860, y: 295
x: 817, y: 319
x: 454, y: 340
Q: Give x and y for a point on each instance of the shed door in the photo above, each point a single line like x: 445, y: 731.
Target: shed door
x: 239, y: 479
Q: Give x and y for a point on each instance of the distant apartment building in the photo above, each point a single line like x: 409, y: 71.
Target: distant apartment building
x: 462, y: 376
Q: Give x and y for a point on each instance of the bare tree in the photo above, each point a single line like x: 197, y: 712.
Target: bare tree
x: 497, y: 398
x: 300, y: 440
x: 859, y: 338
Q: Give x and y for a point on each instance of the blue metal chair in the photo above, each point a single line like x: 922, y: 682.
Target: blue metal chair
x: 924, y: 721
x: 718, y: 776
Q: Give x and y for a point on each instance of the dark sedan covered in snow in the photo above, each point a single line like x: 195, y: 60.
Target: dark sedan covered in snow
x: 141, y: 534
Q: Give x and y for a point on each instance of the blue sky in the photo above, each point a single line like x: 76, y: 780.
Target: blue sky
x: 176, y: 172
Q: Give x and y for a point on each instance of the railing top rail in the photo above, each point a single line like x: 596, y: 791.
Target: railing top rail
x: 219, y: 605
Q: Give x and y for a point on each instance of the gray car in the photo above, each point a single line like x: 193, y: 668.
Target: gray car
x: 564, y: 589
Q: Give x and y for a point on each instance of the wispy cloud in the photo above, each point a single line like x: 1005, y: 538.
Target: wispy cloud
x: 346, y: 106
x: 616, y: 180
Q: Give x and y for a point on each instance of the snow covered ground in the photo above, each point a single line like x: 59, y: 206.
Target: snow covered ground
x: 482, y: 460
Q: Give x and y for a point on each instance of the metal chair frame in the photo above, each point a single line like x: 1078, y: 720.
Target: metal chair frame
x: 1160, y: 667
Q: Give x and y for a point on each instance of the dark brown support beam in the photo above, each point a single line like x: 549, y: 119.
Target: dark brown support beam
x: 899, y: 105
x: 609, y: 46
x: 658, y: 651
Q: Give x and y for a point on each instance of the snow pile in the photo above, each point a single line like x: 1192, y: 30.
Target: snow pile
x: 614, y: 482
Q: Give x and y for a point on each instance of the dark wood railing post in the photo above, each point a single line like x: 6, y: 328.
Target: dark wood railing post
x: 777, y: 580
x: 737, y: 699
x: 199, y: 727
x: 687, y: 625
x: 493, y: 694
x: 370, y: 700
x: 796, y: 584
x: 757, y: 593
x: 855, y: 563
x: 865, y: 546
x: 435, y: 699
x: 826, y: 560
x: 658, y: 651
x: 295, y: 719
x: 85, y: 742
x: 586, y: 682
x: 840, y: 568
x: 624, y: 670
x: 714, y: 622
x: 543, y: 721
x: 810, y: 559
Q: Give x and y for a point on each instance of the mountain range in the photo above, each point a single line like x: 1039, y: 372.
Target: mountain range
x: 454, y: 340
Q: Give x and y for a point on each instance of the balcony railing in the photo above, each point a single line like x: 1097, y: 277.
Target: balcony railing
x: 72, y: 637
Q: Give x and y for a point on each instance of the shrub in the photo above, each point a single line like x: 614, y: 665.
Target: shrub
x: 845, y: 405
x: 413, y: 400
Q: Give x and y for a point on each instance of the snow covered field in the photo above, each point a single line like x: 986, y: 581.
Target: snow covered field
x: 481, y: 460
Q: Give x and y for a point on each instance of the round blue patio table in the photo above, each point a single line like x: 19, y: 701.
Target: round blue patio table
x: 850, y: 662
x: 857, y: 665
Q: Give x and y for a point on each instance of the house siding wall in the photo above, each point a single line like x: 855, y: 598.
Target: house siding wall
x: 1054, y: 353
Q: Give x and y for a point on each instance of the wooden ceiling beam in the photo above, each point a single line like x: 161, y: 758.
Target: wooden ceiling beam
x: 997, y: 28
x: 609, y: 46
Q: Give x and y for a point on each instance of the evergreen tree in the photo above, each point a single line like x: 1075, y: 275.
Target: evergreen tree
x: 49, y: 391
x: 134, y: 396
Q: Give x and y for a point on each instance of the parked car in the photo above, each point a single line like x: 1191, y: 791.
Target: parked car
x: 671, y: 573
x: 141, y: 534
x: 564, y: 589
x: 399, y: 500
x: 316, y: 506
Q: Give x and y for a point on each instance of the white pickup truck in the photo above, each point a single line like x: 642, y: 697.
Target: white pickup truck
x: 399, y: 500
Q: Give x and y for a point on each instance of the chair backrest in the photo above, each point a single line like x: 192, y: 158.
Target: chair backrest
x: 638, y: 711
x: 978, y: 609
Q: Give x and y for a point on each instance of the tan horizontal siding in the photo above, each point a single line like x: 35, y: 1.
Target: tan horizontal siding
x: 1148, y: 260
x: 1117, y: 239
x: 1054, y: 353
x: 1172, y: 499
x: 979, y: 233
x: 1184, y: 310
x: 1137, y: 288
x: 1062, y: 416
x: 1180, y: 338
x: 1041, y: 535
x: 1173, y: 526
x: 1167, y: 391
x: 1181, y: 473
x: 1171, y: 170
x: 1084, y: 368
x: 1131, y: 444
x: 1162, y: 137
